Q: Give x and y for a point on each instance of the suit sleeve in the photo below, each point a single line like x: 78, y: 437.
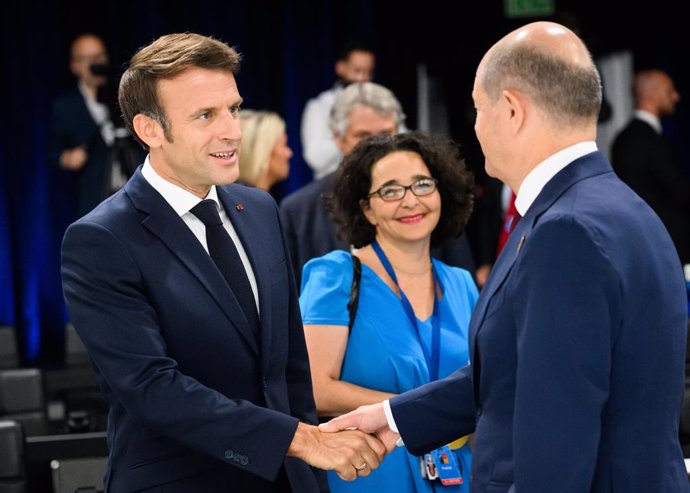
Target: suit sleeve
x: 567, y: 307
x: 436, y: 413
x: 298, y: 372
x: 107, y: 299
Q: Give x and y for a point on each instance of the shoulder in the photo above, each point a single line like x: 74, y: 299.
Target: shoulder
x: 308, y: 194
x: 335, y: 261
x: 325, y: 97
x: 244, y: 195
x: 70, y: 98
x: 459, y: 277
x: 330, y: 272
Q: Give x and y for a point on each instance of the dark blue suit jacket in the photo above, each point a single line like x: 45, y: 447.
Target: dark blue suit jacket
x: 195, y: 399
x: 311, y: 233
x: 577, y: 351
x: 72, y: 126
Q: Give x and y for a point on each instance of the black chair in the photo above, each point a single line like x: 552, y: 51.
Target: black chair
x: 83, y: 475
x: 12, y: 473
x: 22, y: 397
x: 9, y: 355
x: 73, y: 388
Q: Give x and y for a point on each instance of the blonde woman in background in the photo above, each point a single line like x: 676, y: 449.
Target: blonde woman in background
x: 264, y: 154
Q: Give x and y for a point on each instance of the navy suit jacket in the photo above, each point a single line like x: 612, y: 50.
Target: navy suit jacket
x: 72, y: 126
x: 311, y: 233
x: 195, y: 399
x: 577, y: 351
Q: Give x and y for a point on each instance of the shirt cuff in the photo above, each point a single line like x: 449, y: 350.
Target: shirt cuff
x: 391, y: 422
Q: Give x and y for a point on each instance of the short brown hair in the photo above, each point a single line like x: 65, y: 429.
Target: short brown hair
x: 165, y: 58
x: 353, y: 179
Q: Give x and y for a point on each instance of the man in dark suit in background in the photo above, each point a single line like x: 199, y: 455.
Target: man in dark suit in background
x: 205, y: 372
x: 362, y: 109
x: 647, y: 161
x: 81, y: 132
x: 577, y: 342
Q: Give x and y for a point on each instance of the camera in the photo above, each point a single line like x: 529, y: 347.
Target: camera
x: 127, y: 154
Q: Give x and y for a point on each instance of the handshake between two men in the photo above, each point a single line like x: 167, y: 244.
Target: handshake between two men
x: 362, y: 440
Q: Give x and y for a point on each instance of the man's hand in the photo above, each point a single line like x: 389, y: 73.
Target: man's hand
x: 74, y: 159
x: 370, y: 419
x: 350, y: 453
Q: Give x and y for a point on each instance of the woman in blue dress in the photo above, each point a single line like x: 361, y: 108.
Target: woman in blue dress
x: 393, y: 198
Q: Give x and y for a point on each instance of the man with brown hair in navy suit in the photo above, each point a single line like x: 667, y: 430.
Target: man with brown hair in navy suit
x: 205, y: 369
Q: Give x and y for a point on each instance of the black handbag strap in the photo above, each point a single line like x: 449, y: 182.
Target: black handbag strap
x: 354, y: 290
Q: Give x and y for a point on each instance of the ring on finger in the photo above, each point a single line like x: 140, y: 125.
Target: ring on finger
x: 361, y: 468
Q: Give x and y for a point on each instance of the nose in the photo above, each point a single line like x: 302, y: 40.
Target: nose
x: 230, y: 127
x: 409, y: 199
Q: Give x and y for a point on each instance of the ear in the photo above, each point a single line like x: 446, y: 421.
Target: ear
x: 340, y: 68
x: 515, y: 104
x: 339, y: 143
x: 148, y: 130
x: 368, y: 212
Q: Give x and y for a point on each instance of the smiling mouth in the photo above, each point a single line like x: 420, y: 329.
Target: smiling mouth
x: 223, y: 155
x: 411, y: 219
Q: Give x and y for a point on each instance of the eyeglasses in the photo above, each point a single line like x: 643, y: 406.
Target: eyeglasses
x: 391, y: 193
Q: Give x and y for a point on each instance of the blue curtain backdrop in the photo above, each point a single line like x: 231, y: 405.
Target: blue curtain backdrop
x: 289, y: 49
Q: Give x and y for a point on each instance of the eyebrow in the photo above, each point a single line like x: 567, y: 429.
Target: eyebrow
x: 213, y: 109
x: 415, y: 178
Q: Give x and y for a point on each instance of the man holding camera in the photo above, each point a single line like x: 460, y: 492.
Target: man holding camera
x: 82, y: 133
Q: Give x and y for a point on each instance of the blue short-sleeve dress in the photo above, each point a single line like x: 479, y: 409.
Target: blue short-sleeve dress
x: 384, y: 350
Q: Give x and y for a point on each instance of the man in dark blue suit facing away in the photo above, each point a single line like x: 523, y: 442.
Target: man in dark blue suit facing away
x: 202, y: 396
x: 577, y: 343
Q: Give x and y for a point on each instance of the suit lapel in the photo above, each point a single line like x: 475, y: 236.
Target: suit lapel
x: 163, y: 222
x: 587, y: 166
x: 248, y: 227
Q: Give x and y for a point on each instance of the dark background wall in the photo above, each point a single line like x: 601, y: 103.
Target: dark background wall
x: 289, y: 49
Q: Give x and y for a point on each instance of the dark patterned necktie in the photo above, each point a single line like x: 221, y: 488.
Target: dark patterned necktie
x: 222, y: 250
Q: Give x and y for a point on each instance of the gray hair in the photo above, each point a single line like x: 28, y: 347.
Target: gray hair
x: 368, y: 94
x: 568, y: 93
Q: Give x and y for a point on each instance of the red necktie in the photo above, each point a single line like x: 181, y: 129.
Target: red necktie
x: 509, y: 222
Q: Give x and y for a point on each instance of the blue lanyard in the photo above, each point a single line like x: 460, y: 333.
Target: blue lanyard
x: 432, y: 360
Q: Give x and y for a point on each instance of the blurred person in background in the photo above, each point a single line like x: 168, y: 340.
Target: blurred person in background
x: 647, y: 161
x: 355, y: 63
x: 264, y: 153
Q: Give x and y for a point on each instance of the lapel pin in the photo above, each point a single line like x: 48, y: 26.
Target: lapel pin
x: 522, y: 241
x: 239, y: 207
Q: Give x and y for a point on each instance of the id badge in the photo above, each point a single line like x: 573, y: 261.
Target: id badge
x: 429, y: 468
x: 447, y: 466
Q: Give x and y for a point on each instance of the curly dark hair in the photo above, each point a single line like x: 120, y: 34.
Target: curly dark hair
x: 352, y: 182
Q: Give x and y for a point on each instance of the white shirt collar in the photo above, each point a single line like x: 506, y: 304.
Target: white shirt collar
x: 179, y: 199
x: 535, y: 181
x: 647, y: 117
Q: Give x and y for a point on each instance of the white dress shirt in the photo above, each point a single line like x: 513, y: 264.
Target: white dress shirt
x: 183, y: 201
x: 530, y: 188
x: 318, y: 147
x: 100, y: 114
